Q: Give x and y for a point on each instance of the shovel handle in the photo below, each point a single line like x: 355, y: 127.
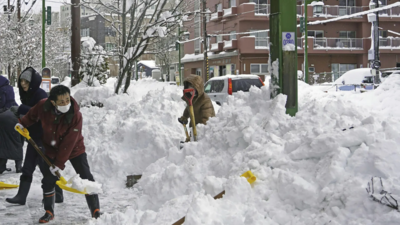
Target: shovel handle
x: 25, y: 133
x: 187, y: 133
x: 193, y: 121
x: 189, y: 99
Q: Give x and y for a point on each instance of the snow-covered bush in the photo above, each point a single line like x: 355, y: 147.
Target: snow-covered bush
x: 94, y: 66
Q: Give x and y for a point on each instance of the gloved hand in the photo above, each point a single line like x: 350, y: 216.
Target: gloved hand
x: 183, y: 120
x: 14, y: 109
x: 54, y: 169
x: 18, y: 125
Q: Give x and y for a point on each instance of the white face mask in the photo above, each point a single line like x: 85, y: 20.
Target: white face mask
x: 64, y: 108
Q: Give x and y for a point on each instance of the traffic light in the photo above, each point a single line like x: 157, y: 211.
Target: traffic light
x: 48, y: 15
x: 302, y: 25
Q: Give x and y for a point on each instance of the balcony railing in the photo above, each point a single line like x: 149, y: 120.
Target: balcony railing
x: 338, y: 43
x: 214, y: 46
x: 228, y: 44
x: 228, y: 12
x: 261, y: 9
x: 214, y: 16
x: 299, y: 43
x: 336, y: 11
x: 392, y: 12
x: 389, y: 43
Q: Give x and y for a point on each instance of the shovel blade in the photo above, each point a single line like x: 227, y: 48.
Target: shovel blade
x: 8, y: 186
x: 62, y: 183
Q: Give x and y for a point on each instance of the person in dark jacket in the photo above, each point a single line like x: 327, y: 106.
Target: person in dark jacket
x: 11, y: 147
x: 203, y: 108
x: 62, y: 138
x: 30, y: 94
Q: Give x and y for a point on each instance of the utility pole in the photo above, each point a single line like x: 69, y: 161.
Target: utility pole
x: 205, y: 61
x: 179, y: 56
x: 75, y: 40
x: 43, y: 33
x: 19, y: 10
x: 305, y: 43
x: 377, y: 63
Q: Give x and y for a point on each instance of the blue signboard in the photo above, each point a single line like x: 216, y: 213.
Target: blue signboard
x: 288, y: 38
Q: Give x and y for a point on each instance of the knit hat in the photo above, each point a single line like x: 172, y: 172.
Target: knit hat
x: 26, y: 75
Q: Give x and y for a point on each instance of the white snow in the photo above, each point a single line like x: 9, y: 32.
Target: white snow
x: 84, y: 185
x: 309, y: 171
x: 289, y: 47
x: 355, y: 76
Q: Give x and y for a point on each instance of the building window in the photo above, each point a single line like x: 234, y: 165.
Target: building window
x: 85, y: 32
x: 315, y: 33
x: 232, y: 3
x: 258, y: 68
x: 219, y: 38
x: 347, y: 34
x: 261, y: 38
x: 218, y: 7
x: 233, y: 35
x: 339, y: 69
x: 317, y: 9
x: 110, y: 46
x: 261, y: 6
x: 347, y: 3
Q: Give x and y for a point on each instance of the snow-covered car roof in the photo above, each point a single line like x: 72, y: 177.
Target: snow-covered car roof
x: 355, y: 76
x: 241, y: 76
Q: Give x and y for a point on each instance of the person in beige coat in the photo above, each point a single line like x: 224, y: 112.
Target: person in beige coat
x: 202, y: 106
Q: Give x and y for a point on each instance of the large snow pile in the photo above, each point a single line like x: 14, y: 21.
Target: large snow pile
x: 309, y: 171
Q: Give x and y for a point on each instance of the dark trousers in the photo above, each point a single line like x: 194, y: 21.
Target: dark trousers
x: 80, y: 165
x: 3, y: 163
x: 32, y: 158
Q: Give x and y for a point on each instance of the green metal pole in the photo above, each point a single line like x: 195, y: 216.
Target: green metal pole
x: 306, y: 42
x: 179, y: 57
x: 43, y: 33
x: 283, y: 52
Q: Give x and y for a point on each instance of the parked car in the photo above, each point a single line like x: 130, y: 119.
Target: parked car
x: 390, y: 72
x: 218, y: 88
x: 360, y: 78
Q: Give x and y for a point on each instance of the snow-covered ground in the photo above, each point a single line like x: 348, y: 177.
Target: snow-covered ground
x: 309, y: 171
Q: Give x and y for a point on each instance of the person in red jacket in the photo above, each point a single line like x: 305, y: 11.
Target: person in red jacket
x: 62, y: 140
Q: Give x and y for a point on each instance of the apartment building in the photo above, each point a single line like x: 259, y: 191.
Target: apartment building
x: 239, y: 38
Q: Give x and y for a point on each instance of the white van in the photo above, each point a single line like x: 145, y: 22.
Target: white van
x: 218, y: 88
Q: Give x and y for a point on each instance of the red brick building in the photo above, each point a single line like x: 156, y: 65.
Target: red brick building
x: 332, y: 47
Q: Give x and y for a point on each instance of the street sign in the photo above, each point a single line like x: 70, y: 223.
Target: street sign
x: 48, y: 15
x: 46, y: 73
x: 287, y: 40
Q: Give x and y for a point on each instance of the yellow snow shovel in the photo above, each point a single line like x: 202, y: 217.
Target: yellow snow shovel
x: 188, y: 94
x: 187, y: 133
x: 62, y: 183
x: 7, y: 186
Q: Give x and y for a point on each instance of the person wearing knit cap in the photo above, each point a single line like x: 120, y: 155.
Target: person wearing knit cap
x: 30, y: 94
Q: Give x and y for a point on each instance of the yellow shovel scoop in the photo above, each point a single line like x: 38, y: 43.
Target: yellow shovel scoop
x: 7, y: 186
x: 62, y: 183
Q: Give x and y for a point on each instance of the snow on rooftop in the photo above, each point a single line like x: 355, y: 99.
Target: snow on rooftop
x: 148, y: 63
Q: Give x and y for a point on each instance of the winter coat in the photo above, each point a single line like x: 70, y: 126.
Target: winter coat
x: 11, y: 141
x: 30, y: 98
x: 202, y: 105
x: 62, y: 134
x: 7, y: 97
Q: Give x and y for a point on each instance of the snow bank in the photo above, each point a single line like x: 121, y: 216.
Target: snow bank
x: 309, y: 169
x: 131, y: 130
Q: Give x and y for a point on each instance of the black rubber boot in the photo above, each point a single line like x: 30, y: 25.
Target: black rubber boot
x: 18, y: 166
x: 48, y: 200
x: 59, y: 195
x: 94, y: 205
x: 24, y: 186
